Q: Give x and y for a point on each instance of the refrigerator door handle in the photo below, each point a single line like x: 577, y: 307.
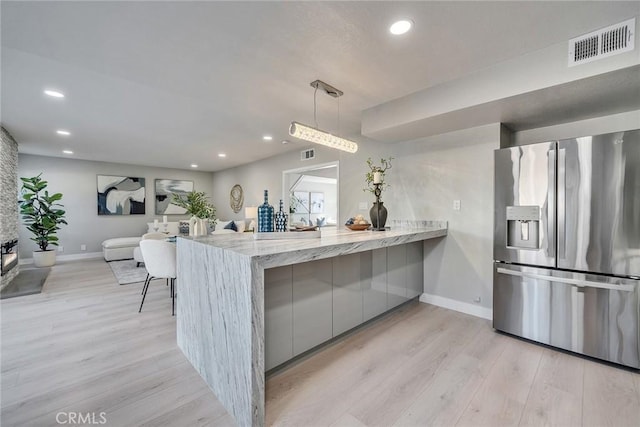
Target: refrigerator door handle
x: 575, y: 282
x: 551, y: 202
x: 561, y: 203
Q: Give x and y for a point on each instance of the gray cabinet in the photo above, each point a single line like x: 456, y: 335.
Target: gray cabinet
x: 278, y: 315
x: 415, y: 269
x: 396, y: 275
x: 374, y: 283
x: 309, y: 303
x: 347, y: 292
x: 312, y: 304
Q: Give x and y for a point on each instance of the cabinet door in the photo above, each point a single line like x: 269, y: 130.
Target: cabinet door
x: 396, y: 275
x: 415, y: 269
x: 312, y: 304
x: 347, y: 294
x: 374, y: 283
x: 278, y: 315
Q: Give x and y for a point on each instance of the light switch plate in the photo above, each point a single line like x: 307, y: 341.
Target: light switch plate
x: 456, y: 205
x: 363, y: 206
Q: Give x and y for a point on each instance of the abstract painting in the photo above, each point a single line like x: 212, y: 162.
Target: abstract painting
x: 120, y: 195
x: 165, y: 189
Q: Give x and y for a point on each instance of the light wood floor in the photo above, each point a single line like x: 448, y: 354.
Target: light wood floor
x: 81, y: 346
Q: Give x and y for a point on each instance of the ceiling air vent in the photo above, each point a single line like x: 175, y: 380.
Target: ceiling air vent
x: 603, y: 43
x: 307, y: 154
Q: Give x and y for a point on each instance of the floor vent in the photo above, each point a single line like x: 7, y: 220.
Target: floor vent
x: 603, y: 43
x: 307, y: 154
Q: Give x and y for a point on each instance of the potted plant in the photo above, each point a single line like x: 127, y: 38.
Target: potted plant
x: 375, y: 180
x: 42, y: 214
x: 197, y: 205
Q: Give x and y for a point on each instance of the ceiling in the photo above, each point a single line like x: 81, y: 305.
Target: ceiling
x: 174, y: 83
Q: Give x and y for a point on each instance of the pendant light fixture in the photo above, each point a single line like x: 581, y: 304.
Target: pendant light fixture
x: 313, y: 134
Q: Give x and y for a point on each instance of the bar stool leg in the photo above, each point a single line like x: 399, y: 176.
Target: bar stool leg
x: 144, y: 292
x: 145, y: 284
x: 173, y: 297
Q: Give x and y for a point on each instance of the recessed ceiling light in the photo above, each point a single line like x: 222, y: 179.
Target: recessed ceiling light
x: 400, y: 27
x: 67, y: 151
x: 63, y: 132
x: 267, y: 137
x: 54, y: 93
x: 222, y: 155
x: 193, y: 165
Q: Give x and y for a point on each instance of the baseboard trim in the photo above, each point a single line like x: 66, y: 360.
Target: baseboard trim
x: 462, y: 307
x: 71, y: 257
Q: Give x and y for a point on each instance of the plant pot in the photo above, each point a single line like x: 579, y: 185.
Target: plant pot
x: 373, y: 213
x: 198, y: 227
x: 44, y: 258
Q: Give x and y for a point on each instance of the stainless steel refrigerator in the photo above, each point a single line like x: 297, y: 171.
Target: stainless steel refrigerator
x: 567, y: 244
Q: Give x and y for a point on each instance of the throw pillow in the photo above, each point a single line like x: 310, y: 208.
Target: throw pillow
x: 240, y: 225
x: 183, y: 227
x: 221, y: 224
x: 231, y: 226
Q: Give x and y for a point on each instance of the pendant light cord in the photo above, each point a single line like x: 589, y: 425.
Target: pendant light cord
x: 315, y: 110
x: 338, y: 133
x: 315, y: 119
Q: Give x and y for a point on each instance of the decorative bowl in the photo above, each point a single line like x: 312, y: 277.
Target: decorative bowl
x: 358, y: 227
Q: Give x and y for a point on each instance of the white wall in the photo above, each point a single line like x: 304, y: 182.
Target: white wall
x: 259, y: 176
x: 267, y: 174
x: 76, y: 180
x: 432, y: 173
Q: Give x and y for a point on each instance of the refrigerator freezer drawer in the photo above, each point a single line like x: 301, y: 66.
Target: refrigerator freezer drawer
x: 593, y: 315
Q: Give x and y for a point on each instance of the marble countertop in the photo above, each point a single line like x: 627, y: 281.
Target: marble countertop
x: 333, y: 242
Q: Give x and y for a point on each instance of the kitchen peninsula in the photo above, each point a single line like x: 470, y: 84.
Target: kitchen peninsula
x: 245, y: 306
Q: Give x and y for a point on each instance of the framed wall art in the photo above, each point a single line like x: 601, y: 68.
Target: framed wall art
x: 316, y: 203
x: 120, y: 195
x: 165, y: 189
x: 299, y: 202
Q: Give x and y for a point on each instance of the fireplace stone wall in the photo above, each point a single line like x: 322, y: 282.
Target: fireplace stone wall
x: 9, y: 220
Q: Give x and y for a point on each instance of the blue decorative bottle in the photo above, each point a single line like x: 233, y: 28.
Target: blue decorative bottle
x: 281, y: 218
x: 265, y: 215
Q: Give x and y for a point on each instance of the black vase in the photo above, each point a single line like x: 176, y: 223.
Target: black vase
x: 373, y: 213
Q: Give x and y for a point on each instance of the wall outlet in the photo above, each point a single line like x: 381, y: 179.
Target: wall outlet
x: 60, y: 248
x: 363, y: 206
x: 83, y: 247
x: 456, y: 205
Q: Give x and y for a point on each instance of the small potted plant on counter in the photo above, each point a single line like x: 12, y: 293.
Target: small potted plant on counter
x: 42, y: 214
x: 197, y: 205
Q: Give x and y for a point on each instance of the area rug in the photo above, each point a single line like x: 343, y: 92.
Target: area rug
x: 29, y: 281
x: 126, y: 271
